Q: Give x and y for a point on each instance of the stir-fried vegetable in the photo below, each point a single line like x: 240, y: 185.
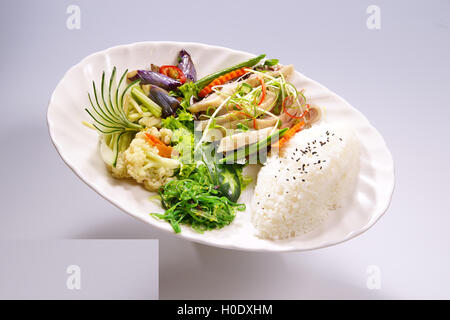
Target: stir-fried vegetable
x: 229, y: 182
x: 155, y: 78
x: 289, y: 134
x: 145, y: 163
x: 186, y: 65
x: 173, y: 72
x: 227, y: 178
x: 221, y: 80
x: 168, y: 103
x: 163, y: 150
x: 203, y: 82
x: 254, y: 148
x: 191, y: 90
x: 140, y: 96
x: 182, y: 137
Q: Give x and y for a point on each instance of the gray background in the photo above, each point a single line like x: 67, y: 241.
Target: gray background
x: 107, y: 269
x: 397, y: 76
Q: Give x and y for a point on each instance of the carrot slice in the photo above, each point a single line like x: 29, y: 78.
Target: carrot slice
x: 163, y: 150
x: 221, y: 80
x: 289, y: 134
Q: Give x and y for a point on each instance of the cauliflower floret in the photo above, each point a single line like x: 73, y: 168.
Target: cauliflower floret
x: 154, y: 132
x: 145, y: 165
x: 166, y: 135
x: 120, y: 171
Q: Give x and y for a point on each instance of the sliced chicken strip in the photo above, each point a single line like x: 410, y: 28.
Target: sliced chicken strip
x: 214, y: 100
x: 286, y: 71
x: 259, y: 123
x: 313, y: 115
x: 229, y: 117
x: 268, y: 104
x: 269, y: 101
x: 231, y: 121
x: 242, y: 139
x: 264, y: 123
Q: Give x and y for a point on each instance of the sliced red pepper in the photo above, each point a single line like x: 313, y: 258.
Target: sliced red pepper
x: 174, y: 72
x: 246, y: 114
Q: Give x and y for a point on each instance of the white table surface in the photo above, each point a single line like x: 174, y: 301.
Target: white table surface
x: 398, y: 76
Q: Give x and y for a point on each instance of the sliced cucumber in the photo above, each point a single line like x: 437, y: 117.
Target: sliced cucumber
x: 229, y: 182
x: 106, y: 152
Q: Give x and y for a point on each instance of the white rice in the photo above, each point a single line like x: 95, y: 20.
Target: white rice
x: 314, y: 172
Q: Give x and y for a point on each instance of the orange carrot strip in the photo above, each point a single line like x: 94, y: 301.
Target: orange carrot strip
x: 153, y: 139
x: 163, y: 150
x: 221, y: 80
x: 289, y: 134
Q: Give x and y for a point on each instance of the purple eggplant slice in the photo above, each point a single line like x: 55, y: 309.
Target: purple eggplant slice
x: 186, y: 65
x: 168, y: 103
x: 155, y: 78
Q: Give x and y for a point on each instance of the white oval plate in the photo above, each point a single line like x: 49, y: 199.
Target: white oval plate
x: 78, y: 146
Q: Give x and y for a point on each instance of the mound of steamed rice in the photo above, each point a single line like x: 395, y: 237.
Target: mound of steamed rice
x: 296, y: 189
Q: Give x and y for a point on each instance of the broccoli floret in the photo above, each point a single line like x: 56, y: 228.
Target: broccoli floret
x: 182, y: 137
